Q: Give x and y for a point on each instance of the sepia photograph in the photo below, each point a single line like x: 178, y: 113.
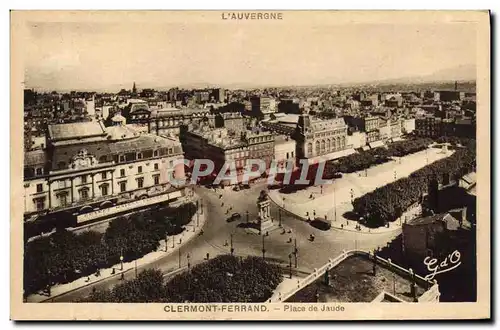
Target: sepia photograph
x: 250, y: 165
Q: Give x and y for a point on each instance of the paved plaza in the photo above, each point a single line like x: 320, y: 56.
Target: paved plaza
x: 334, y: 200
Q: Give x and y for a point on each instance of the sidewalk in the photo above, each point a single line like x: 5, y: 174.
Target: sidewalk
x: 334, y: 200
x: 174, y: 243
x: 285, y: 286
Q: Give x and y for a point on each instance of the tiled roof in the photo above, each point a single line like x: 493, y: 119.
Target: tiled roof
x: 36, y: 157
x: 75, y: 130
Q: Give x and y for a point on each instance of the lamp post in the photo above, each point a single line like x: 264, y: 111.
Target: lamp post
x: 166, y: 242
x: 263, y: 248
x: 247, y: 216
x: 334, y: 204
x: 232, y: 248
x: 121, y: 259
x: 290, y: 264
x: 189, y: 263
x: 197, y: 217
x: 295, y: 251
x: 179, y: 257
x: 279, y: 216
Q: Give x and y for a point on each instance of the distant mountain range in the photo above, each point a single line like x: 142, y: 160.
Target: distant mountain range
x: 459, y: 73
x: 463, y: 73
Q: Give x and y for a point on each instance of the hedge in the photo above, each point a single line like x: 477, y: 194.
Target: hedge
x: 65, y: 256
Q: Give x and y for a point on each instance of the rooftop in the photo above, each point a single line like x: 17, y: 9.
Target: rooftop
x: 283, y: 139
x: 353, y: 280
x: 318, y: 124
x: 35, y: 157
x: 449, y: 220
x: 75, y: 130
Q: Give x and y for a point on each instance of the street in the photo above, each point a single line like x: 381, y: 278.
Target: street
x: 217, y: 231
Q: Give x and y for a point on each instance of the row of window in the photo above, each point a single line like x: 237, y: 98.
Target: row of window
x: 84, y: 192
x: 337, y: 132
x: 104, y: 176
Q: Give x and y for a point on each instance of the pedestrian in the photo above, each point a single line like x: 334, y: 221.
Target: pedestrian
x: 122, y: 277
x: 314, y: 213
x: 342, y: 226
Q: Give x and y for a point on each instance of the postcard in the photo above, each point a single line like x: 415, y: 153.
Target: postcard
x: 250, y: 165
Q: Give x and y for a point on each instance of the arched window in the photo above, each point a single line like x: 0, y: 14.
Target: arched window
x: 338, y: 142
x: 328, y: 145
x: 322, y: 146
x: 102, y: 159
x: 309, y: 149
x: 317, y: 148
x: 343, y: 142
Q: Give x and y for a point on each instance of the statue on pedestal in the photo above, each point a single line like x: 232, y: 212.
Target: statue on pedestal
x: 264, y: 205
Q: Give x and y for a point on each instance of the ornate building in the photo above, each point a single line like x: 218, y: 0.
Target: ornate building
x: 316, y: 137
x: 89, y: 172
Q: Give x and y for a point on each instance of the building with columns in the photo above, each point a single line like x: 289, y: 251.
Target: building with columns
x: 317, y: 138
x: 89, y: 171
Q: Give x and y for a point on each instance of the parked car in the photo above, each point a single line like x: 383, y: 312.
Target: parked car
x: 234, y: 217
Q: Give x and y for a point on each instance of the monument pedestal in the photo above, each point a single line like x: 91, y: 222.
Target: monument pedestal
x: 265, y: 221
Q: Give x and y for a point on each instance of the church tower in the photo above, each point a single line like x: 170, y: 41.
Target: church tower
x: 134, y: 89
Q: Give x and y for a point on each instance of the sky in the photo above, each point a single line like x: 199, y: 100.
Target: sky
x: 110, y: 56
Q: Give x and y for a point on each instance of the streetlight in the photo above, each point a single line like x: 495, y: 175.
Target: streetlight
x: 189, y: 264
x: 279, y: 216
x: 166, y: 242
x: 334, y: 204
x: 247, y: 216
x: 290, y: 264
x: 295, y: 251
x: 197, y: 215
x: 121, y: 259
x: 179, y: 257
x: 232, y: 248
x: 263, y: 248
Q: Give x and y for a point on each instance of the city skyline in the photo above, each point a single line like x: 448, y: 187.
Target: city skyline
x: 110, y: 56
